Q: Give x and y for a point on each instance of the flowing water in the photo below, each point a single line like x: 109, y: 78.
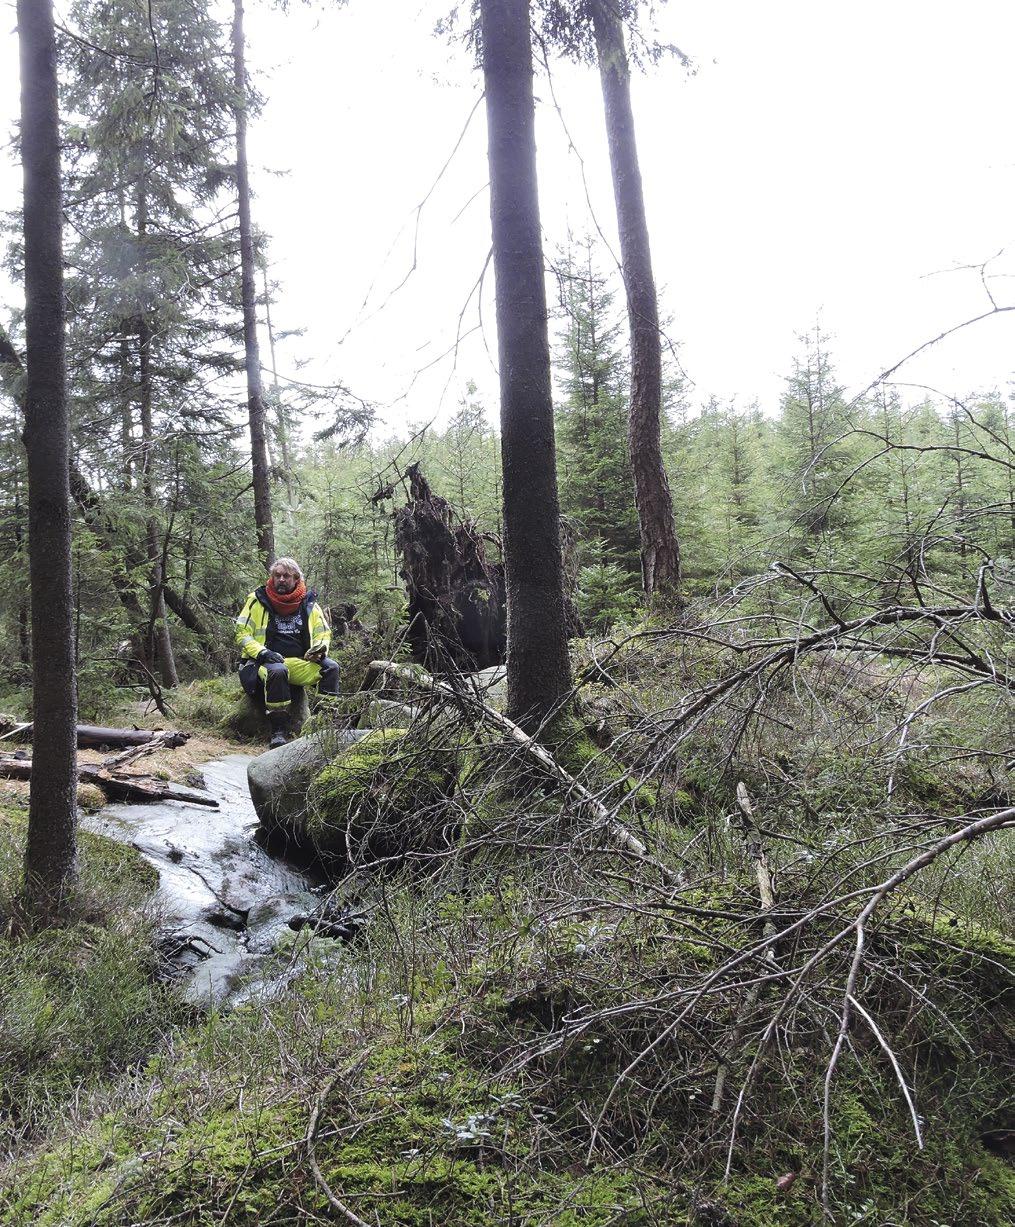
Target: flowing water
x: 223, y: 901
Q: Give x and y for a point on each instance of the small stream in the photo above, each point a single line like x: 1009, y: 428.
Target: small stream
x: 223, y: 901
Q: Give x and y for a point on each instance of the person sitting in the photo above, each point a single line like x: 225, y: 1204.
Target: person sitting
x: 284, y: 637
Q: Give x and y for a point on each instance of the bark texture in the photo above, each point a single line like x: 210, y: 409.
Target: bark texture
x: 50, y: 854
x: 660, y: 552
x: 255, y: 392
x: 539, y: 672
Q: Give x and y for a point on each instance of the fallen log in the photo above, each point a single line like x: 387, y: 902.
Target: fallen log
x: 169, y: 740
x: 116, y: 787
x: 90, y: 736
x: 605, y: 819
x: 94, y: 736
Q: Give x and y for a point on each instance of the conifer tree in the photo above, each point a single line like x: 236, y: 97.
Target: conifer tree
x: 50, y: 852
x: 595, y: 470
x: 466, y: 464
x: 151, y: 283
x: 727, y: 460
x: 812, y: 456
x: 539, y: 671
x: 660, y: 552
x: 593, y: 30
x: 255, y: 394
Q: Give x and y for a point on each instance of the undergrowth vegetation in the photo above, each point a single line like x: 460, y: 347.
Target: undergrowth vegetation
x: 79, y: 1004
x: 541, y: 1025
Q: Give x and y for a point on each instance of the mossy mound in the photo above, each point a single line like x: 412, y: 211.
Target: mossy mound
x: 220, y: 705
x: 428, y: 1135
x: 385, y: 796
x: 91, y: 798
x: 416, y: 1114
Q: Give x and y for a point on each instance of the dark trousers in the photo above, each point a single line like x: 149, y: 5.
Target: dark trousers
x: 270, y: 684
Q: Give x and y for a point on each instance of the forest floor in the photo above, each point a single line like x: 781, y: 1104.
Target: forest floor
x: 532, y: 1030
x: 180, y: 765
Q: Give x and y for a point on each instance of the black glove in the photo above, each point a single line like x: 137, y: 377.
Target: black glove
x: 264, y: 657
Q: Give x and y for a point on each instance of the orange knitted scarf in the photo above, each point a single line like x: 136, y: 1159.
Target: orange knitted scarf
x: 286, y: 603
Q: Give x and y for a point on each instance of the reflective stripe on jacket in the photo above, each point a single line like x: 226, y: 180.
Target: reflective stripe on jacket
x: 256, y: 615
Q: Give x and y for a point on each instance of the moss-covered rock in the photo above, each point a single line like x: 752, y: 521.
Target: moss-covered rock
x: 279, y: 779
x: 384, y: 796
x: 220, y: 705
x: 91, y: 798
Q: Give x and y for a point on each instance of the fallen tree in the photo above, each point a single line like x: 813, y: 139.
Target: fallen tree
x: 116, y: 787
x: 456, y: 594
x: 606, y: 818
x: 97, y: 736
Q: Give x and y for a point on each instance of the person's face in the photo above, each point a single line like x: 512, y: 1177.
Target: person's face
x: 285, y: 579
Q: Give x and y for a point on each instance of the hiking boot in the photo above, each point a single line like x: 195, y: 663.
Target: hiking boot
x: 279, y: 721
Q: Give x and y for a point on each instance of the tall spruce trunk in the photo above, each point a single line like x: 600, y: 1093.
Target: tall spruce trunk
x: 538, y: 668
x: 255, y: 394
x: 660, y: 551
x: 50, y: 853
x: 280, y: 422
x: 158, y: 642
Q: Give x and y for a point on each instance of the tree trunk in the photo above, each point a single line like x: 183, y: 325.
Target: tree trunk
x: 51, y: 851
x: 538, y: 668
x: 255, y: 394
x: 24, y: 625
x: 158, y: 641
x: 280, y: 422
x: 660, y: 552
x: 98, y: 736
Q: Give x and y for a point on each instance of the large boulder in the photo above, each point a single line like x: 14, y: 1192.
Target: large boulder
x: 279, y: 779
x: 384, y: 796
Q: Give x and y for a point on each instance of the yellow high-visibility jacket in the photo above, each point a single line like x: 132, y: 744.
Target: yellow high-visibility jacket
x: 256, y: 616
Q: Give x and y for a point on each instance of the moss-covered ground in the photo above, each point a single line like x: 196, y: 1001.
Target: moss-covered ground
x: 529, y: 1030
x: 428, y: 1115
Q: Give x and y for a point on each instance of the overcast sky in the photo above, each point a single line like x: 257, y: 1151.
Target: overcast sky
x: 823, y: 158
